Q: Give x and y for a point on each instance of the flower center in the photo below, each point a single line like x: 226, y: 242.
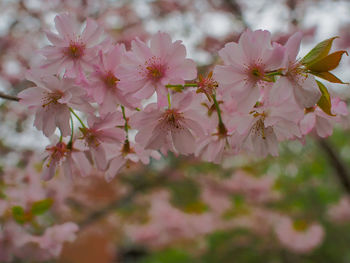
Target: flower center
x: 110, y: 80
x: 58, y: 151
x: 153, y: 69
x: 257, y: 73
x: 207, y: 85
x: 127, y: 148
x: 300, y: 225
x: 154, y: 72
x: 52, y: 98
x: 75, y: 50
x: 308, y: 110
x: 90, y: 137
x: 172, y: 119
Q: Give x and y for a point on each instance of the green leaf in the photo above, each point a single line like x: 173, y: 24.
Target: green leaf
x: 19, y: 215
x: 185, y: 195
x: 327, y: 63
x: 325, y: 101
x: 169, y: 256
x: 196, y: 207
x: 319, y: 51
x: 328, y: 76
x: 40, y: 207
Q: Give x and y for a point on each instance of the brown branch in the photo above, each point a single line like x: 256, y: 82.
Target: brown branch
x: 341, y: 169
x: 95, y: 216
x: 157, y: 181
x: 8, y: 97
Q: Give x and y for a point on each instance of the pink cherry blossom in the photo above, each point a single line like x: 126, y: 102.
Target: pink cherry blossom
x: 256, y: 189
x: 316, y: 119
x: 69, y: 156
x: 51, y: 100
x: 175, y: 129
x: 245, y: 66
x: 54, y: 237
x: 103, y: 83
x: 147, y: 69
x: 212, y: 148
x: 168, y: 223
x: 299, y: 238
x: 129, y: 152
x: 268, y: 124
x: 71, y: 50
x: 340, y: 212
x: 103, y: 130
x: 296, y: 82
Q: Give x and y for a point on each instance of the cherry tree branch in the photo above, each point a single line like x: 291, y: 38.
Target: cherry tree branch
x: 341, y: 170
x: 124, y: 201
x: 95, y: 216
x: 8, y: 97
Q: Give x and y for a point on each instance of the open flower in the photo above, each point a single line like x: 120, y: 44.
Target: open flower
x: 175, y: 129
x: 298, y: 236
x: 266, y: 125
x: 316, y: 119
x: 51, y: 100
x: 104, y: 81
x: 146, y: 70
x: 71, y: 156
x: 295, y: 81
x: 72, y: 50
x: 102, y: 130
x: 245, y: 66
x: 129, y: 152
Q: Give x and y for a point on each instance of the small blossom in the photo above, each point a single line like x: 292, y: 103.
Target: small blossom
x: 316, y: 119
x: 54, y: 237
x: 69, y: 156
x: 245, y: 66
x: 103, y: 130
x: 129, y: 152
x: 104, y: 81
x: 51, y: 100
x: 71, y: 51
x: 298, y: 236
x: 175, y: 129
x: 146, y: 70
x: 340, y: 212
x: 207, y: 85
x: 296, y: 81
x: 266, y: 125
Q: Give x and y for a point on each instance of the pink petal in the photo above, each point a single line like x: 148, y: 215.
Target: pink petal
x: 65, y: 26
x: 324, y: 127
x: 55, y: 39
x: 184, y: 141
x: 308, y: 123
x: 160, y: 44
x: 99, y: 156
x: 114, y: 167
x: 293, y: 46
x: 49, y: 169
x: 92, y: 33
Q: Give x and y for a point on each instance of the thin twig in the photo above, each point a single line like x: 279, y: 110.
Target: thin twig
x: 8, y: 97
x: 341, y: 169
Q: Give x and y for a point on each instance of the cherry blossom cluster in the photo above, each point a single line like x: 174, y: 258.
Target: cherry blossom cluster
x: 168, y: 224
x: 260, y: 95
x: 28, y: 230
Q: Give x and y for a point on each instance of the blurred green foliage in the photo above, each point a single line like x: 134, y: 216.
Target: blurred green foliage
x: 306, y: 179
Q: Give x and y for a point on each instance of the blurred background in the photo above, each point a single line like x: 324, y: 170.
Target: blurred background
x: 293, y: 208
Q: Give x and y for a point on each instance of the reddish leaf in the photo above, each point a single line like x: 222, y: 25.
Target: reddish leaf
x: 319, y: 51
x: 327, y: 63
x: 328, y: 76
